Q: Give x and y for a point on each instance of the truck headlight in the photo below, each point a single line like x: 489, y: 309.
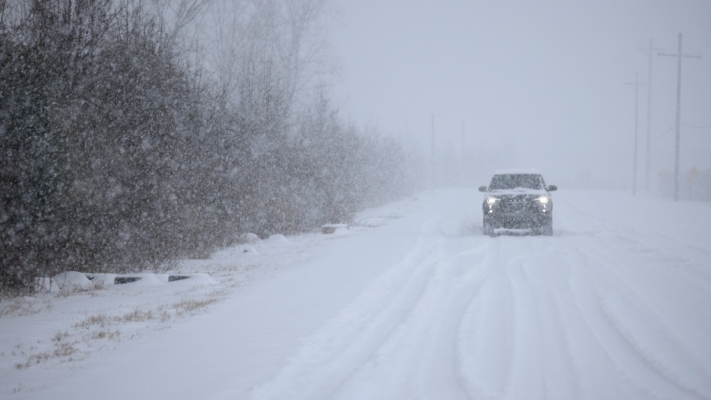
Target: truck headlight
x: 491, y: 200
x: 543, y: 199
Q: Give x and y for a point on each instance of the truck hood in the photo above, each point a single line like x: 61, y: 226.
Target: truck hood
x: 516, y: 192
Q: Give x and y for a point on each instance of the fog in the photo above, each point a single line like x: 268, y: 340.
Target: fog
x: 277, y: 199
x: 532, y: 84
x: 228, y: 117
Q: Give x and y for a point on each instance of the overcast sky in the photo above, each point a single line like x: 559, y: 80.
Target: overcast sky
x: 547, y: 77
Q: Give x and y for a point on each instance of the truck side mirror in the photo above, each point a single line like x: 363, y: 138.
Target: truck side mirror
x: 552, y: 188
x: 483, y: 189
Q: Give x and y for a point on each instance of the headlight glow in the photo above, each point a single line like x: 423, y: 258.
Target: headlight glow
x: 543, y: 199
x: 491, y: 200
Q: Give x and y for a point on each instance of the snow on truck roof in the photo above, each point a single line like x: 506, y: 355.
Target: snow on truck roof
x: 515, y: 171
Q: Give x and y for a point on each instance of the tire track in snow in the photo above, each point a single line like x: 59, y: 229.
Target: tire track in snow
x: 603, y: 373
x: 486, y: 332
x: 420, y: 360
x: 643, y: 369
x: 646, y: 329
x: 519, y: 306
x: 544, y: 366
x: 543, y: 274
x: 330, y: 357
x: 579, y: 319
x: 664, y: 245
x: 669, y: 291
x: 668, y: 294
x: 502, y: 336
x: 678, y: 289
x: 527, y: 375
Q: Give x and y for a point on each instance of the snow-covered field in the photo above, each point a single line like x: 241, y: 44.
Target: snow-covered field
x: 411, y: 303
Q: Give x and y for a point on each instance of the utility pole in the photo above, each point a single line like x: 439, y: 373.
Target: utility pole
x: 432, y: 158
x: 464, y: 133
x: 648, y: 157
x: 649, y: 118
x: 636, y: 84
x: 679, y: 56
x: 464, y: 152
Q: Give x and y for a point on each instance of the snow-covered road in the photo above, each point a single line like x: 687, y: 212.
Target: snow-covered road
x: 615, y: 305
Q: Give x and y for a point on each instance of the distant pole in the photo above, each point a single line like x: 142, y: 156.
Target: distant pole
x: 464, y: 132
x: 648, y: 152
x: 432, y: 157
x: 636, y: 84
x: 649, y: 119
x: 636, y: 123
x: 464, y: 155
x: 677, y: 140
x: 679, y: 56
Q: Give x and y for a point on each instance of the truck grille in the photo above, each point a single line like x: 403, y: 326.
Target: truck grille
x: 515, y: 206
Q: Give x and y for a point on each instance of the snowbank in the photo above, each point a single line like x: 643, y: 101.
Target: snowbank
x: 277, y: 239
x: 72, y: 280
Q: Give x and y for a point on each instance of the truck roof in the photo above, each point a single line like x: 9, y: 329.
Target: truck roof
x: 517, y: 171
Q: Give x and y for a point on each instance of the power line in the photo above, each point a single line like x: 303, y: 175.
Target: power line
x: 697, y: 127
x: 665, y: 133
x: 672, y: 127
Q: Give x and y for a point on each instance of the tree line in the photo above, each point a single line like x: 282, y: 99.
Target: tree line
x: 125, y: 147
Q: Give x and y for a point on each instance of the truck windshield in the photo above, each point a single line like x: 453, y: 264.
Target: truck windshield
x: 514, y: 181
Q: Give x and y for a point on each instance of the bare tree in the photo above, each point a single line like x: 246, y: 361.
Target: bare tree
x: 175, y: 15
